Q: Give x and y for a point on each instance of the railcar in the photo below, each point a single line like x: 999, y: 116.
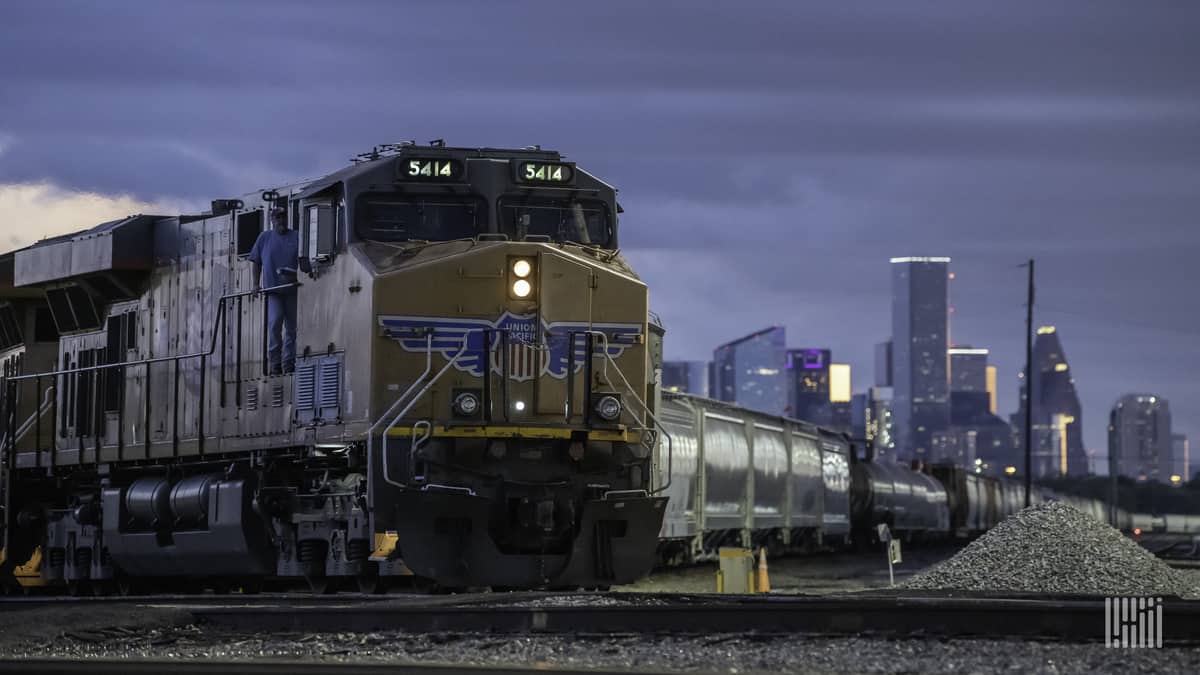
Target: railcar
x: 469, y: 404
x: 743, y: 478
x: 912, y: 504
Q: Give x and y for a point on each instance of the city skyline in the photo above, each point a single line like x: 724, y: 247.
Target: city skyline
x: 1007, y: 390
x: 767, y: 169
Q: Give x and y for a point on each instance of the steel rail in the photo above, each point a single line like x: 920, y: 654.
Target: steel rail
x: 1073, y: 620
x: 265, y: 666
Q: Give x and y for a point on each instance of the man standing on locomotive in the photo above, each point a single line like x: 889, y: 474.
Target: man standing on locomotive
x: 275, y: 257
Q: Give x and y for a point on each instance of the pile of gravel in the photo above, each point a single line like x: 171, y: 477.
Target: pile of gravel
x: 1055, y: 548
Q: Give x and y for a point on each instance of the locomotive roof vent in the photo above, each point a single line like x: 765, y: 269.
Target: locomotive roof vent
x: 118, y: 246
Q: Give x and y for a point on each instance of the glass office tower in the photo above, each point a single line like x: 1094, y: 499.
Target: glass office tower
x: 920, y: 377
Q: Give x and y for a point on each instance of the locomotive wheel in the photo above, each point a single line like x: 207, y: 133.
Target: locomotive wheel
x: 102, y: 588
x: 321, y: 585
x: 252, y: 586
x: 79, y: 588
x: 126, y: 586
x: 369, y: 581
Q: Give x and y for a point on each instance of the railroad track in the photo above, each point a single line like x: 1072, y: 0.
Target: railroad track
x: 1070, y: 619
x: 887, y: 613
x: 270, y: 667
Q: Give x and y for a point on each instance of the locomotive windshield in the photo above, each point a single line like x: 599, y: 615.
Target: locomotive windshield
x: 429, y: 218
x: 563, y: 220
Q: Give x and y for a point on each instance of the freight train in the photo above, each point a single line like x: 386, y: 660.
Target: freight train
x: 467, y: 405
x: 748, y: 479
x: 474, y: 401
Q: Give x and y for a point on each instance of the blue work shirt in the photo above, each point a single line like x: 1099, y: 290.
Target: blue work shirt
x: 274, y: 252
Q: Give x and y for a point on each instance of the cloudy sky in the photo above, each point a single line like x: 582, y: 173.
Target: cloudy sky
x: 771, y: 156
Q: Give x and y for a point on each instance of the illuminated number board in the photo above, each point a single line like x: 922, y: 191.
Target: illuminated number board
x: 558, y: 173
x: 428, y: 168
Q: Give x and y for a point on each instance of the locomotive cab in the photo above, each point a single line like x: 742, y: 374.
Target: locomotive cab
x: 508, y: 372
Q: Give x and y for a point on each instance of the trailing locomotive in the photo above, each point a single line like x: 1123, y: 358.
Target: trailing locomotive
x: 468, y: 405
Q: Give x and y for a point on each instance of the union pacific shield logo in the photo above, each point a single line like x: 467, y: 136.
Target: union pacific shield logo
x: 529, y: 355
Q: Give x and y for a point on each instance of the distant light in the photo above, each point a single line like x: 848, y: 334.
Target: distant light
x: 1046, y: 330
x: 519, y: 405
x: 1137, y: 531
x: 952, y: 275
x: 1060, y: 367
x: 767, y: 371
x: 839, y: 382
x: 978, y: 462
x: 965, y: 350
x: 1010, y: 470
x: 917, y: 259
x: 1176, y: 478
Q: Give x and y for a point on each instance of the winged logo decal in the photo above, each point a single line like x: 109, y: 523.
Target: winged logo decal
x: 527, y: 355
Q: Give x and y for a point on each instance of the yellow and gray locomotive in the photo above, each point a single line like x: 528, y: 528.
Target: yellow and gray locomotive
x: 468, y: 405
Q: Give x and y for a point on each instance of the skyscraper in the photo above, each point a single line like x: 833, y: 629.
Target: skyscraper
x: 920, y: 324
x: 1181, y: 462
x: 1057, y: 420
x: 690, y: 377
x: 1139, y: 437
x: 749, y: 371
x: 883, y: 364
x: 839, y: 396
x: 808, y: 385
x: 968, y: 369
x: 978, y: 439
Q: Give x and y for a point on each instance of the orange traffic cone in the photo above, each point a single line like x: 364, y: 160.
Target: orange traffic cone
x: 763, y: 584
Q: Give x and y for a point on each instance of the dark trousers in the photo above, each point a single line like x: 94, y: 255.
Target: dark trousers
x: 281, y: 332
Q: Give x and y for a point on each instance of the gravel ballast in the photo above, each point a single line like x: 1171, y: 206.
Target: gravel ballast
x: 715, y: 653
x: 1057, y: 549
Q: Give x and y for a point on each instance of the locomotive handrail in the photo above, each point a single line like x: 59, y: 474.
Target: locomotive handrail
x: 417, y: 397
x: 660, y: 428
x: 218, y: 326
x: 396, y: 404
x: 31, y: 422
x: 162, y: 359
x: 416, y: 445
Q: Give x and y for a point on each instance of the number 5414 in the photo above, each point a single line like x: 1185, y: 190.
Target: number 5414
x: 430, y: 168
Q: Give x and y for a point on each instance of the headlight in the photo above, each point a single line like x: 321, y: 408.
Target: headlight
x: 466, y: 404
x: 522, y: 268
x: 522, y: 288
x: 608, y: 408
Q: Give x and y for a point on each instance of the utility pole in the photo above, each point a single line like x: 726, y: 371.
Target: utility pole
x: 1112, y: 469
x: 1029, y: 390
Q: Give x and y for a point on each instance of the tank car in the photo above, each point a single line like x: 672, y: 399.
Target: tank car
x: 468, y: 405
x: 913, y: 505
